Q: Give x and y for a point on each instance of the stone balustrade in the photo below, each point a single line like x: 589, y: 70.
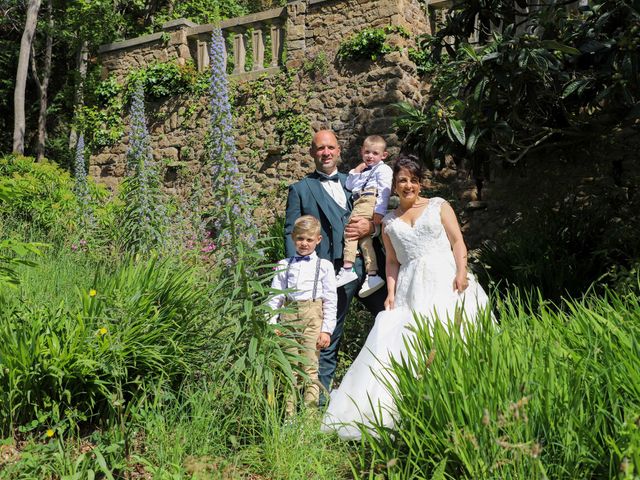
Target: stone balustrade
x: 253, y: 33
x: 182, y: 40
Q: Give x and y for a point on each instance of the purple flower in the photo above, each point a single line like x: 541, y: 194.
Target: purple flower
x: 81, y: 188
x: 144, y: 218
x: 233, y: 221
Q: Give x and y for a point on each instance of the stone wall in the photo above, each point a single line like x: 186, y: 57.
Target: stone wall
x: 354, y: 99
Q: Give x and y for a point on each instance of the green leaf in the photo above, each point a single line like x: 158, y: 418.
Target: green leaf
x: 438, y: 473
x: 555, y: 45
x: 577, y: 86
x: 470, y: 51
x: 472, y: 140
x: 457, y: 127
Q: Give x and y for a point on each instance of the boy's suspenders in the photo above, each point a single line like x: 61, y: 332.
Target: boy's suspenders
x: 315, y: 280
x: 369, y: 179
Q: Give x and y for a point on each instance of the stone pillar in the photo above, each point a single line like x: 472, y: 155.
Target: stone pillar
x: 257, y: 43
x: 239, y: 53
x: 296, y: 31
x: 202, y: 60
x: 276, y: 45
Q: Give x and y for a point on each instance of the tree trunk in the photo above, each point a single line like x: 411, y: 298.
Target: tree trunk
x: 19, y: 124
x: 43, y: 85
x: 82, y: 61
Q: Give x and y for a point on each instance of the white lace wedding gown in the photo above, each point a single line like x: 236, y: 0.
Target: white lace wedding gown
x: 424, y: 285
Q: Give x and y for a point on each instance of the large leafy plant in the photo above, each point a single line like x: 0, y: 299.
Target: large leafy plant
x: 543, y: 79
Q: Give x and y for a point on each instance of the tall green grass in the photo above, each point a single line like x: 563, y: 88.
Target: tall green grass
x: 546, y: 394
x: 61, y: 363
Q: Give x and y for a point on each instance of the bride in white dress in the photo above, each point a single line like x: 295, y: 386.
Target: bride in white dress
x: 426, y: 274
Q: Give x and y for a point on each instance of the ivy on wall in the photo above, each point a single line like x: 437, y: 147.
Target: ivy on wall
x: 272, y: 96
x: 370, y: 43
x: 102, y: 119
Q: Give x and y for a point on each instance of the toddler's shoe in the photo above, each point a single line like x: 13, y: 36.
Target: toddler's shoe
x: 372, y: 283
x: 345, y: 276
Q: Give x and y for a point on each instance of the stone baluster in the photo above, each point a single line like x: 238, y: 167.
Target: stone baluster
x: 276, y: 45
x: 239, y: 53
x: 257, y: 43
x: 202, y: 59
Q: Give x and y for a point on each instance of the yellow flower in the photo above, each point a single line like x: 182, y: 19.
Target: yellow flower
x: 50, y: 433
x: 102, y: 331
x: 92, y: 293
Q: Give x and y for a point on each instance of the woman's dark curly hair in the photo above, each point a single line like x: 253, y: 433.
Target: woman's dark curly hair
x: 411, y: 164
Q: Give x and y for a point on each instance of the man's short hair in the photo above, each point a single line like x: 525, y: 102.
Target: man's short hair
x: 376, y: 140
x: 306, y: 224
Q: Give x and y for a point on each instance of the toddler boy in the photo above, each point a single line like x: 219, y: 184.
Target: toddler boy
x: 314, y: 301
x: 370, y: 183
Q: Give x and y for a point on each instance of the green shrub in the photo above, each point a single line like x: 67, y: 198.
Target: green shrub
x: 562, y: 249
x: 39, y: 199
x: 547, y: 394
x: 369, y: 44
x: 42, y: 194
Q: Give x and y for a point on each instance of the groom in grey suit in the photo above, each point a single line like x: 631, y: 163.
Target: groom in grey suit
x: 323, y: 195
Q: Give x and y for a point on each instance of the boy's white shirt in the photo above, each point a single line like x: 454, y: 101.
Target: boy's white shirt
x: 381, y: 177
x: 301, y: 277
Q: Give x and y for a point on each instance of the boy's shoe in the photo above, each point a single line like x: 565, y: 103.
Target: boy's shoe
x: 372, y: 283
x: 345, y: 276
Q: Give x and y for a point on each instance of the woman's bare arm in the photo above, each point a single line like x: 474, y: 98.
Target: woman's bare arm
x: 452, y: 228
x: 392, y: 267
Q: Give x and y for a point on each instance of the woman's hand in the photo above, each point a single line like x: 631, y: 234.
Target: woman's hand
x: 390, y: 302
x: 461, y: 282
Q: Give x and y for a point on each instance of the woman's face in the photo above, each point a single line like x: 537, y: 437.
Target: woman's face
x: 407, y: 185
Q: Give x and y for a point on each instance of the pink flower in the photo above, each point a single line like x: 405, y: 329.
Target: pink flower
x: 74, y: 247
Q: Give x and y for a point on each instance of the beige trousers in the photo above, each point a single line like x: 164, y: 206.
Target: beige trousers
x: 362, y: 207
x: 307, y: 323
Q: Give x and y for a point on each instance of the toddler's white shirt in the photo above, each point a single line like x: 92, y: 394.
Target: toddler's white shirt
x: 380, y: 176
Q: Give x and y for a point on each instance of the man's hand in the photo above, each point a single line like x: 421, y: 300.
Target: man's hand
x: 323, y: 341
x: 377, y: 218
x: 358, y: 227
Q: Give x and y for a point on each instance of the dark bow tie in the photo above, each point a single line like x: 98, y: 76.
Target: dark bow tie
x: 332, y: 178
x: 302, y: 258
x: 367, y: 169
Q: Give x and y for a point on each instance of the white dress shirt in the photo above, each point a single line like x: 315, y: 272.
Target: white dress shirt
x: 334, y: 189
x: 379, y: 176
x: 300, y: 278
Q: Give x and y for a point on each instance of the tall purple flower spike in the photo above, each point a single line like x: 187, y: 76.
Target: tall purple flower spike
x: 229, y: 198
x: 81, y: 186
x: 145, y: 209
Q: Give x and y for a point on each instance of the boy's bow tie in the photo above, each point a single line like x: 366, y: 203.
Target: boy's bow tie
x: 302, y: 258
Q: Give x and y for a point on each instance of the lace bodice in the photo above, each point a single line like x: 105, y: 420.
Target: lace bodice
x: 426, y: 237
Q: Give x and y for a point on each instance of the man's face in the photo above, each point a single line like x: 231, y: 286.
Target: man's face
x: 325, y: 151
